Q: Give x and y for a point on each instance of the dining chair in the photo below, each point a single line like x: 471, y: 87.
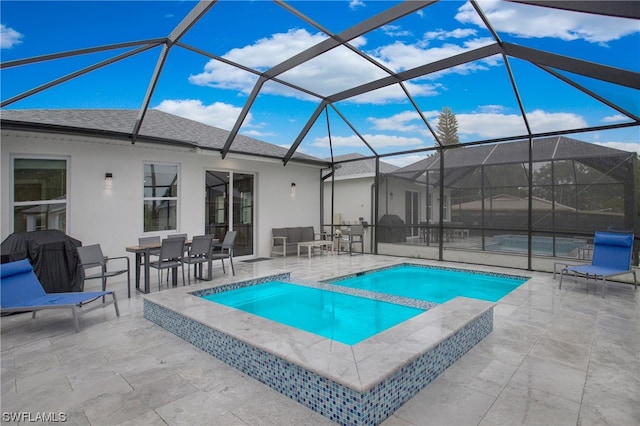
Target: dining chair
x: 91, y: 258
x: 171, y: 254
x: 224, y: 250
x: 184, y: 236
x: 199, y: 253
x: 145, y: 241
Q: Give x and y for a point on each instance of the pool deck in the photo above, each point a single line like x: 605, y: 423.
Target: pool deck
x: 554, y: 357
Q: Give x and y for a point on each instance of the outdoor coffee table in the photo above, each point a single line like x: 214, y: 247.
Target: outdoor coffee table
x: 310, y: 245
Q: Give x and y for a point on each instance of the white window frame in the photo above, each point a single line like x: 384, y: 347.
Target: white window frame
x: 176, y: 198
x: 64, y: 201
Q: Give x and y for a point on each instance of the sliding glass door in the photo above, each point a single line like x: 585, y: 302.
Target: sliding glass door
x: 229, y: 205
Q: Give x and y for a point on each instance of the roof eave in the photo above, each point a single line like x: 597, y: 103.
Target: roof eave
x: 124, y: 136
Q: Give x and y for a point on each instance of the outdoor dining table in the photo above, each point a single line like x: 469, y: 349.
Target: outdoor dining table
x: 144, y: 252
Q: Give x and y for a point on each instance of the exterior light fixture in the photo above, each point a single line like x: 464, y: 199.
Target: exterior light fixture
x: 293, y: 189
x: 108, y: 180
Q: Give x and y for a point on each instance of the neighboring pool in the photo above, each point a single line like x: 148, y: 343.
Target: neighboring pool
x: 539, y: 245
x: 436, y: 285
x: 337, y: 316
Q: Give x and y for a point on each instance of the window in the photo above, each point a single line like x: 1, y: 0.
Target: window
x: 160, y: 197
x: 445, y: 207
x: 39, y: 194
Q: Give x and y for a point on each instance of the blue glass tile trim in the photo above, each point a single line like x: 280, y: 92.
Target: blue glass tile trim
x: 236, y: 285
x: 334, y: 401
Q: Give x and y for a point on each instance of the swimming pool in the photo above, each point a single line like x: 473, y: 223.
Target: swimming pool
x: 539, y: 245
x: 342, y: 317
x: 436, y: 285
x: 360, y: 384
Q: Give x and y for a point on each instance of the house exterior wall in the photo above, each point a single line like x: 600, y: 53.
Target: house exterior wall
x: 392, y: 200
x: 352, y: 200
x: 114, y: 217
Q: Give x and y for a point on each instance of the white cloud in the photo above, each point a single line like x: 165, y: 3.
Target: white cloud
x: 491, y: 123
x: 491, y: 109
x: 256, y: 133
x: 407, y: 121
x: 615, y: 118
x: 395, y: 31
x: 219, y: 75
x: 404, y: 160
x: 443, y: 34
x: 496, y: 125
x: 263, y: 54
x: 217, y: 114
x: 542, y: 121
x: 9, y: 37
x: 624, y: 146
x: 324, y: 74
x: 400, y: 56
x: 354, y: 4
x: 336, y: 70
x: 537, y: 22
x: 376, y: 141
x: 394, y: 93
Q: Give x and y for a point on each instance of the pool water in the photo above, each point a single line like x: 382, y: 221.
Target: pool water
x: 539, y: 245
x: 337, y: 316
x: 433, y: 284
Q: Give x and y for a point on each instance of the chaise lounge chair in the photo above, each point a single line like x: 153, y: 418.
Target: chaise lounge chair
x: 21, y: 291
x: 611, y: 256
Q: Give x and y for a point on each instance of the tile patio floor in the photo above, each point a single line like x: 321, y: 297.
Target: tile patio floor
x: 560, y: 357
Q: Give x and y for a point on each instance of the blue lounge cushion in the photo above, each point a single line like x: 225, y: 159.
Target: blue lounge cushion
x: 19, y: 284
x: 13, y: 268
x: 21, y: 291
x: 613, y: 239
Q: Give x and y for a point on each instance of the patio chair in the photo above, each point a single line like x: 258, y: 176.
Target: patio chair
x: 91, y: 257
x: 145, y: 241
x: 225, y: 250
x: 199, y: 253
x: 22, y: 292
x: 184, y: 236
x: 171, y: 254
x: 356, y: 237
x: 611, y: 256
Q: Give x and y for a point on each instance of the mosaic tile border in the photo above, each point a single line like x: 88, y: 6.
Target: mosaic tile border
x: 333, y: 400
x: 285, y: 276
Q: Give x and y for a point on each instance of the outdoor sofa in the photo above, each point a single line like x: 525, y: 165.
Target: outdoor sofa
x: 285, y: 241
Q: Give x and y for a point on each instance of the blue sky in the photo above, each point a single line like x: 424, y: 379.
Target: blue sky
x: 261, y: 34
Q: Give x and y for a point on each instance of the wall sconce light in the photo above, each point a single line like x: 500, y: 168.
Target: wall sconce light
x: 108, y: 180
x: 293, y: 189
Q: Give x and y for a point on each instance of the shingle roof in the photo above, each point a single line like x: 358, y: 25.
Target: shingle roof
x: 158, y: 126
x: 545, y: 149
x: 362, y: 167
x: 459, y: 162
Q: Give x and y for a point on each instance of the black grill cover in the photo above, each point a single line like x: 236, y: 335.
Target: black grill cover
x: 391, y: 229
x: 53, y: 256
